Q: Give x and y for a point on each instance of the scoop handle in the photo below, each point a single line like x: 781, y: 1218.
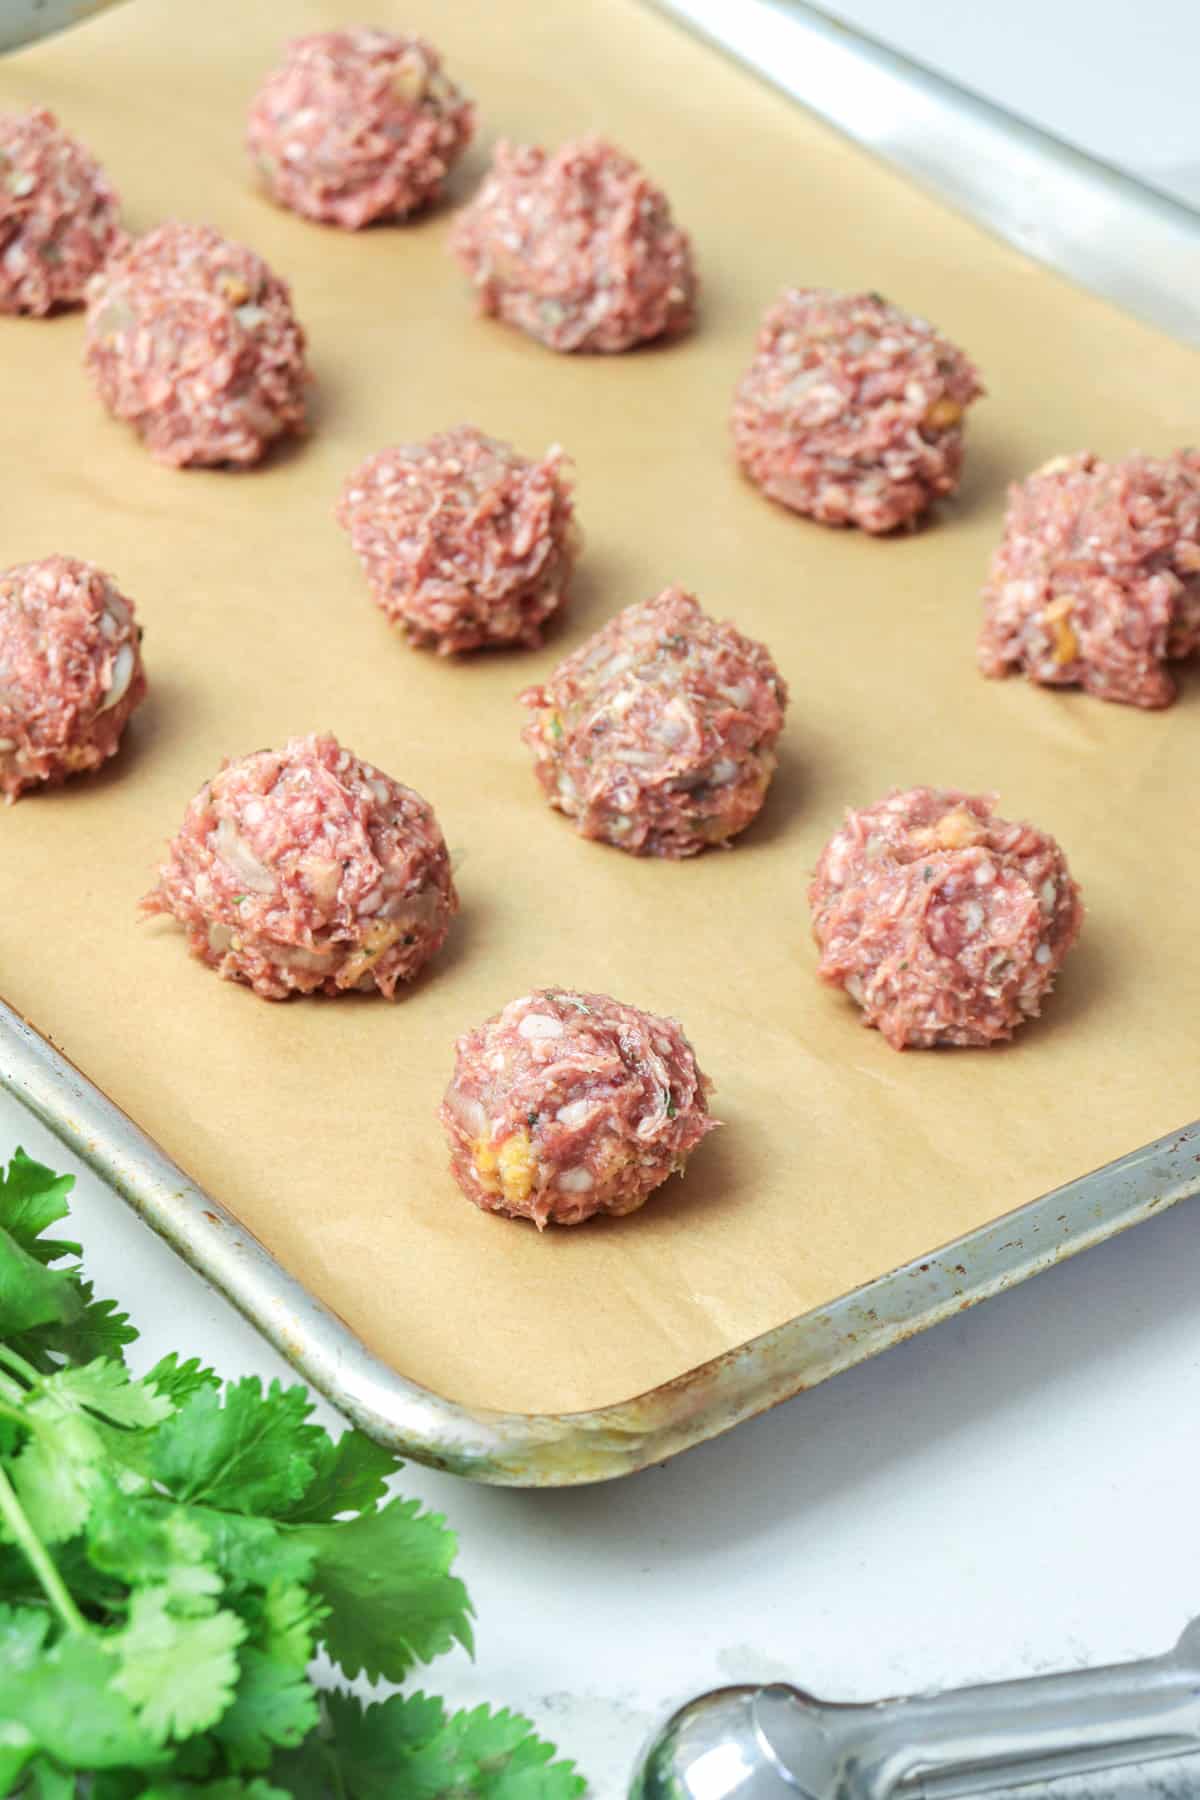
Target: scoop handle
x: 1005, y: 1734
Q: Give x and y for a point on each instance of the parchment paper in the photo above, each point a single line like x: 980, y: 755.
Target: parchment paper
x: 838, y: 1158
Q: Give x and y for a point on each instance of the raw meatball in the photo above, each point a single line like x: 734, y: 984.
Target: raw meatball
x: 576, y: 248
x: 852, y: 412
x: 658, y: 734
x: 357, y: 125
x: 192, y: 339
x: 70, y: 671
x: 465, y: 543
x: 565, y: 1105
x: 305, y: 870
x: 58, y: 214
x: 1096, y: 582
x: 946, y: 924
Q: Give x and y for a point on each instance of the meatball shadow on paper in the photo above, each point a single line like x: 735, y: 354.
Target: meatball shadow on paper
x: 1083, y: 982
x: 321, y: 405
x: 720, y: 1177
x: 160, y: 720
x: 787, y: 794
x: 588, y: 604
x: 989, y: 467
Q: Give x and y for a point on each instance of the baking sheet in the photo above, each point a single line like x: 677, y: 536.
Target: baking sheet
x: 315, y: 1123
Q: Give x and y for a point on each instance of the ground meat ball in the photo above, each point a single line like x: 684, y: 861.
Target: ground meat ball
x: 192, y: 339
x: 576, y: 248
x: 658, y: 734
x: 305, y: 870
x: 70, y: 671
x: 565, y: 1105
x: 465, y: 543
x: 946, y: 924
x: 357, y: 125
x: 852, y: 412
x: 1096, y: 582
x: 58, y: 214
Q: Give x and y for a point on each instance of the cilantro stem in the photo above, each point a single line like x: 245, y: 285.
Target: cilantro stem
x: 25, y: 1370
x: 26, y: 1539
x: 11, y: 1391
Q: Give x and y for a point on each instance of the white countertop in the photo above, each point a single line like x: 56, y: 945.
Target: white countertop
x: 1011, y: 1493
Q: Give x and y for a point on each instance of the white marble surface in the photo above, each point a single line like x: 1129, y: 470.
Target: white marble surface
x: 1011, y: 1493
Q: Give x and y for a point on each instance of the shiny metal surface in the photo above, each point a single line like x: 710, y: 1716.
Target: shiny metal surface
x: 534, y: 1450
x: 779, y: 1743
x: 1104, y: 229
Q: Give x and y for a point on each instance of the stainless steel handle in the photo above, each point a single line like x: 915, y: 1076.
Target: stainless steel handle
x: 779, y: 1743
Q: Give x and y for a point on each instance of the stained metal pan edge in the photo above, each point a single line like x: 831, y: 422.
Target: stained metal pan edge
x: 1105, y: 230
x: 548, y: 1450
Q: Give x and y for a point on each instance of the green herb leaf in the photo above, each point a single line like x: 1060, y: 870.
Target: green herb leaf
x: 56, y: 1473
x: 17, y: 1746
x: 148, y: 1542
x: 243, y: 1450
x: 407, y: 1746
x: 32, y: 1199
x: 179, y: 1674
x: 104, y: 1387
x: 180, y: 1380
x: 91, y: 1590
x: 284, y: 1623
x: 252, y: 1554
x: 30, y: 1293
x: 385, y: 1578
x: 178, y: 1549
x: 229, y: 1789
x: 97, y: 1329
x: 507, y: 1761
x: 63, y: 1695
x: 351, y: 1476
x: 388, y: 1749
x: 43, y: 1781
x: 275, y: 1707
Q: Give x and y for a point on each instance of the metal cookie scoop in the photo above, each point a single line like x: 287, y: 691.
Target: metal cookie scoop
x: 778, y: 1743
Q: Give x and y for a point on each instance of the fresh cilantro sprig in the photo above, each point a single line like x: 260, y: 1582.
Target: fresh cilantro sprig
x: 175, y: 1551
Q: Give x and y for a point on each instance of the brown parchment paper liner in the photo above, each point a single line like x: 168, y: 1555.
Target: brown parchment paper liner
x: 315, y: 1123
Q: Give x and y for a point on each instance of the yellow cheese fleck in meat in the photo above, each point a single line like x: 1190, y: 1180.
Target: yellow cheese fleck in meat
x: 1066, y: 645
x: 508, y: 1168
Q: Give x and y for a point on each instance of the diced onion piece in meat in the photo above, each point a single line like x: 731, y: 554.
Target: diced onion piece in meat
x: 299, y: 956
x: 322, y: 877
x: 575, y: 1113
x: 378, y: 939
x: 468, y: 1111
x: 122, y: 674
x: 245, y: 865
x: 575, y: 1181
x: 540, y: 1025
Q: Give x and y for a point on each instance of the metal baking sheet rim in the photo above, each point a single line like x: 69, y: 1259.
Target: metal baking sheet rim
x: 1116, y: 237
x: 553, y: 1450
x: 1105, y: 230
